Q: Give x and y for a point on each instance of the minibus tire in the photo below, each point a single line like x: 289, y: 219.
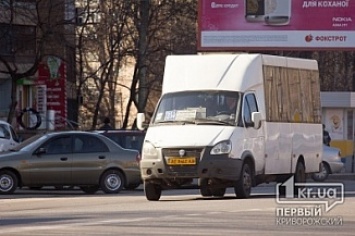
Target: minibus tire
x: 152, y: 191
x: 243, y: 185
x: 205, y: 190
x: 299, y: 176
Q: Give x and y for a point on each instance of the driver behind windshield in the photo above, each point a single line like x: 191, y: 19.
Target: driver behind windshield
x: 228, y: 106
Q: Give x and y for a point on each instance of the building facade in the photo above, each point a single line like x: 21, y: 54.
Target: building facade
x: 39, y: 38
x: 338, y: 116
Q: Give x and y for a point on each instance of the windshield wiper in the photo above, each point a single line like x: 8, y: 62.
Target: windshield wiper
x: 212, y: 122
x: 197, y: 122
x: 176, y: 121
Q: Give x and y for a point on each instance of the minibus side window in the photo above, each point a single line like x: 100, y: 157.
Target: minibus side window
x: 249, y: 107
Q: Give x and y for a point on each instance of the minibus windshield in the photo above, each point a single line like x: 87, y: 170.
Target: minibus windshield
x: 199, y: 107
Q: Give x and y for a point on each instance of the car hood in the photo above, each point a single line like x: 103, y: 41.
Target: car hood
x: 187, y: 135
x: 9, y: 155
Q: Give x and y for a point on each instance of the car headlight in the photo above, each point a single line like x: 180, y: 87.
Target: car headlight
x: 149, y: 151
x: 224, y: 147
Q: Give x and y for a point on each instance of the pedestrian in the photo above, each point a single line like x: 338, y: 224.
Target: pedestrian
x: 106, y: 125
x: 326, y: 136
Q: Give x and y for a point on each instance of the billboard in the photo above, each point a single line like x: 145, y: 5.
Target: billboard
x: 242, y: 25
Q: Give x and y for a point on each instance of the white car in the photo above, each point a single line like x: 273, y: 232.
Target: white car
x: 8, y: 136
x: 331, y: 163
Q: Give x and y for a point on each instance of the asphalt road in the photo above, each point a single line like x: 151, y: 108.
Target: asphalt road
x: 179, y: 212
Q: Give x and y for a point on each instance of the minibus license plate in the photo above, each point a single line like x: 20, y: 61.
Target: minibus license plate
x: 182, y: 161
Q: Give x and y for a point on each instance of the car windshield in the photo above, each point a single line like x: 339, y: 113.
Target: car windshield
x: 199, y: 107
x: 28, y: 143
x: 4, y: 133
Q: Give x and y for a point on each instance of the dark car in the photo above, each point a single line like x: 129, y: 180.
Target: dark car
x: 130, y: 139
x: 70, y: 158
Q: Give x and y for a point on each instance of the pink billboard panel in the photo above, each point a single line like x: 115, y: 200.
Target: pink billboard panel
x: 276, y: 24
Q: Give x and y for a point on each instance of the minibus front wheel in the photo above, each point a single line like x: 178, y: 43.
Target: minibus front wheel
x: 152, y: 191
x: 243, y: 185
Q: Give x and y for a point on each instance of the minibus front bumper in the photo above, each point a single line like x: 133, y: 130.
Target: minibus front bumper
x: 195, y: 163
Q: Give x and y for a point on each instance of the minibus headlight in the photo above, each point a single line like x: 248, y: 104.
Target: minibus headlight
x: 224, y: 147
x: 149, y: 151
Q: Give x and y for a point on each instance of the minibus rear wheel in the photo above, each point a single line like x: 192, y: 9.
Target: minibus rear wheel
x: 299, y: 177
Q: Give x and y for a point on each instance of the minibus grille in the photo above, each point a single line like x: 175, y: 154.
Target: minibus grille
x: 183, y: 161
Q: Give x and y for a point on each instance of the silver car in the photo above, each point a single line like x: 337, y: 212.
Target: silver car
x: 70, y: 158
x: 8, y: 136
x: 331, y: 163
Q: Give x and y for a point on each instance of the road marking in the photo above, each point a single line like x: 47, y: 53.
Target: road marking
x: 61, y: 224
x: 20, y: 229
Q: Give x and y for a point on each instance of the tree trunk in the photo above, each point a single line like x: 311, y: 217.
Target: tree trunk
x: 12, y: 110
x: 142, y: 54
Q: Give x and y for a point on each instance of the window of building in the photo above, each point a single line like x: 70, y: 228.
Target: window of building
x: 17, y: 39
x: 28, y: 4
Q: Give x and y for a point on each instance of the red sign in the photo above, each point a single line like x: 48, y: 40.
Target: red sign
x: 276, y: 24
x: 55, y: 81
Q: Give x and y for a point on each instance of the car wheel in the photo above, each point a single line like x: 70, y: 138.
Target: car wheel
x: 323, y: 174
x: 152, y: 191
x: 8, y: 182
x: 112, y: 181
x: 90, y: 189
x: 132, y: 186
x: 205, y: 190
x: 243, y: 186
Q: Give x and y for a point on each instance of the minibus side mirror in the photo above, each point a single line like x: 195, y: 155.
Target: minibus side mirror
x: 256, y: 118
x: 141, y: 125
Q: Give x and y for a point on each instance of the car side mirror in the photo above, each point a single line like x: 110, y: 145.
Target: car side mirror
x: 141, y: 125
x: 256, y: 118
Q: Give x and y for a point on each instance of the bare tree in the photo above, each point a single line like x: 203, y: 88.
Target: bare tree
x: 129, y: 34
x: 29, y: 32
x: 102, y: 45
x: 164, y: 28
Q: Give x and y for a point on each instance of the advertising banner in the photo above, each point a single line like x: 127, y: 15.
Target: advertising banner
x: 334, y: 123
x: 52, y: 78
x: 241, y: 25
